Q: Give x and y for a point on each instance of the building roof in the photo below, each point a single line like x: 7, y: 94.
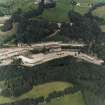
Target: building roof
x: 53, y: 46
x: 46, y: 1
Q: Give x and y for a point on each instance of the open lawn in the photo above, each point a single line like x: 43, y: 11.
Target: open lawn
x: 59, y: 13
x: 102, y: 28
x: 3, y: 1
x: 45, y: 89
x: 40, y: 90
x: 75, y: 99
x: 100, y: 12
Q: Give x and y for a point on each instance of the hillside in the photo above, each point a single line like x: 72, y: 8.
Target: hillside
x: 75, y: 99
x: 31, y: 16
x: 65, y: 81
x: 59, y: 13
x: 37, y: 91
x: 66, y: 69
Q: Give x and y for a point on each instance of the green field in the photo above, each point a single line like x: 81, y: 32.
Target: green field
x: 75, y: 99
x: 3, y: 1
x: 102, y: 28
x: 45, y: 89
x: 60, y: 13
x: 40, y: 90
x: 100, y: 12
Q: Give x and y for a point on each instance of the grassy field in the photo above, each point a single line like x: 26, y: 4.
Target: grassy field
x: 75, y: 99
x: 41, y: 90
x: 100, y: 12
x: 102, y: 28
x: 60, y: 12
x: 45, y: 89
x: 3, y: 1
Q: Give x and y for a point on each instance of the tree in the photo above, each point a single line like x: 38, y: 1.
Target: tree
x: 17, y: 61
x: 11, y: 6
x: 73, y: 3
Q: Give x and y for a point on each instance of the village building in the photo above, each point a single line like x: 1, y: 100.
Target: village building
x: 59, y: 25
x: 78, y: 4
x: 54, y: 48
x: 47, y: 3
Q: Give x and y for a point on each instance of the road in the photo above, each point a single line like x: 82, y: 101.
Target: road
x: 12, y: 51
x: 53, y: 34
x: 3, y: 19
x: 56, y: 55
x: 6, y: 54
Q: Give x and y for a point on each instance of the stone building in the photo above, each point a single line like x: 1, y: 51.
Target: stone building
x: 53, y: 48
x: 47, y: 3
